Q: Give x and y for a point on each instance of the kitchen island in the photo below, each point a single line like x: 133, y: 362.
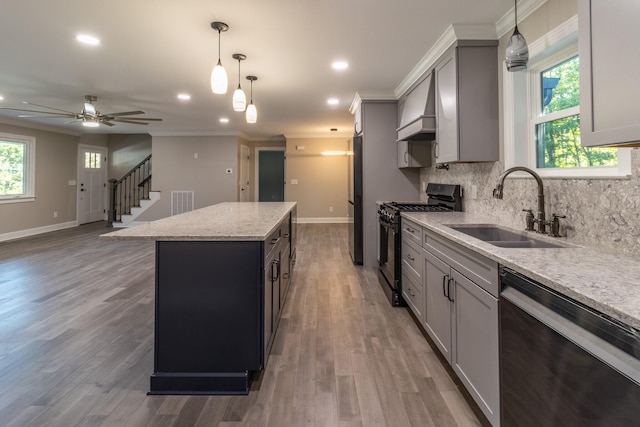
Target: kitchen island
x: 222, y: 276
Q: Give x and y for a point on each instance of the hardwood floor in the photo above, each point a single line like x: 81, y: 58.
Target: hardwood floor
x: 76, y: 344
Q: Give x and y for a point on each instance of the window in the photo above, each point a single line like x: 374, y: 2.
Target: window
x: 92, y: 160
x: 17, y: 167
x: 542, y: 114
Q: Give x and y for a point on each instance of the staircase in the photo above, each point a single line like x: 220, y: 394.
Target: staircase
x: 131, y: 195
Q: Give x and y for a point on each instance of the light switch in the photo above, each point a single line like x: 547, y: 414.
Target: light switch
x: 294, y: 181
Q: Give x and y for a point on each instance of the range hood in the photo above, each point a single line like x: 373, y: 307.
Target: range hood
x: 418, y: 112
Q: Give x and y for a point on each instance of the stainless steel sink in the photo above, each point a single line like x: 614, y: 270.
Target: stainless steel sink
x: 502, y: 237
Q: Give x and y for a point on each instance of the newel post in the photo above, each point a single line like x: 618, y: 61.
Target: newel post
x: 111, y: 212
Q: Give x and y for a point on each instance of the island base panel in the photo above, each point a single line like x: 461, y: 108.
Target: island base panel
x: 205, y: 383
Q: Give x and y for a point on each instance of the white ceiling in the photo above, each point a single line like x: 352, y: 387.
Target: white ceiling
x: 151, y: 50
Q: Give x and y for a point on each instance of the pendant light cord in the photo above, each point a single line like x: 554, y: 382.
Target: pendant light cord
x: 516, y: 12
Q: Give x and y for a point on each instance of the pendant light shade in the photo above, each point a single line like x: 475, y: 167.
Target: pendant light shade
x: 517, y: 54
x: 239, y: 98
x: 252, y: 112
x: 219, y: 79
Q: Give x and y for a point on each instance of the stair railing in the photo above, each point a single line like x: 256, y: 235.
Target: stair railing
x: 126, y: 192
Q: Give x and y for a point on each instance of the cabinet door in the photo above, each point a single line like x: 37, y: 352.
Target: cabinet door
x: 475, y: 345
x: 446, y: 149
x: 437, y: 311
x: 268, y: 309
x: 403, y: 154
x: 609, y: 89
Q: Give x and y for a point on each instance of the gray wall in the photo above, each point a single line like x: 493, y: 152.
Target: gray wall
x: 126, y: 151
x: 56, y: 155
x: 175, y: 168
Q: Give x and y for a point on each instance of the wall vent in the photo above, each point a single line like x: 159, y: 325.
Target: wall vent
x: 181, y: 202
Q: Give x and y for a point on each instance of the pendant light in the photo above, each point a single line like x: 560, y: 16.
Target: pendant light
x: 239, y: 98
x: 517, y: 54
x: 252, y: 113
x: 219, y: 79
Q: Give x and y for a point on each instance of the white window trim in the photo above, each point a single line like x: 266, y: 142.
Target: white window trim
x: 30, y: 168
x: 517, y: 116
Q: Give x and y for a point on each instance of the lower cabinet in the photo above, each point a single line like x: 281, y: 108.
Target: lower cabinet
x: 455, y: 297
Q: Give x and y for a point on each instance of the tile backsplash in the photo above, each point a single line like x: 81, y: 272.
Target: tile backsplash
x: 599, y: 212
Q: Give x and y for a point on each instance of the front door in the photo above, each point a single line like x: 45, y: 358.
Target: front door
x: 271, y: 175
x: 92, y: 183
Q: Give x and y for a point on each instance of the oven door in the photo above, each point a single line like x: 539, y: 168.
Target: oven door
x: 389, y: 246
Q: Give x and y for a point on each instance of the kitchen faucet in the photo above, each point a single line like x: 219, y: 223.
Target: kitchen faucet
x: 497, y: 193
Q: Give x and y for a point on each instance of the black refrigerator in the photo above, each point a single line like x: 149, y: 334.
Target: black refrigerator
x: 354, y: 206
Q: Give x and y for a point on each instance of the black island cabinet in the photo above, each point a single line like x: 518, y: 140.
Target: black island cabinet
x: 219, y: 293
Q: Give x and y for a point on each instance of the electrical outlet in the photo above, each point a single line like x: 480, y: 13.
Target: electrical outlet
x: 195, y: 155
x: 55, y: 214
x: 330, y: 208
x: 474, y: 192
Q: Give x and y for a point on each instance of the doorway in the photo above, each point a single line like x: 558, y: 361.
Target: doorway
x: 92, y: 183
x: 245, y: 180
x: 270, y: 174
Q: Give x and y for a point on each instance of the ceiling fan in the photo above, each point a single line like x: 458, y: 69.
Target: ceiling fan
x: 89, y: 116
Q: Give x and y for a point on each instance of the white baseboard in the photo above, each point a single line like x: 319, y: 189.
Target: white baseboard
x: 38, y: 230
x: 323, y: 220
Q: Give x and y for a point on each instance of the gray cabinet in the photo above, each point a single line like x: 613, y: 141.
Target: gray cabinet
x: 467, y: 103
x: 414, y: 154
x: 461, y: 316
x: 609, y: 89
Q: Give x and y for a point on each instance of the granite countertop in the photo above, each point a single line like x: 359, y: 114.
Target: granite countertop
x: 605, y: 281
x: 224, y: 221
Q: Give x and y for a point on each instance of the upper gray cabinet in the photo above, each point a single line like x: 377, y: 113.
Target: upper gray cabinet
x: 466, y: 80
x: 414, y: 154
x: 609, y: 60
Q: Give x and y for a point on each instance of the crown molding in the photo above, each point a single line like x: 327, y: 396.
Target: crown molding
x: 526, y: 7
x: 30, y: 125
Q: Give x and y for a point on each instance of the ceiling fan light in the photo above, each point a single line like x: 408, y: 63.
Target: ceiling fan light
x: 89, y: 108
x: 239, y: 100
x: 252, y: 113
x: 90, y: 123
x: 219, y: 79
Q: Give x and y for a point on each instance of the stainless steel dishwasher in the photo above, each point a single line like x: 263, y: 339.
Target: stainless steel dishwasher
x: 562, y: 363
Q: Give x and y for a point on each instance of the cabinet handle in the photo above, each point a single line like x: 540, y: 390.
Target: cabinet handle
x: 449, y: 289
x: 406, y: 157
x: 286, y: 236
x: 445, y: 280
x: 436, y: 151
x: 274, y: 241
x: 410, y: 230
x: 275, y: 263
x: 410, y: 257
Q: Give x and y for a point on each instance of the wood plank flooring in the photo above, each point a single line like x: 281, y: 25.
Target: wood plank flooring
x: 76, y: 344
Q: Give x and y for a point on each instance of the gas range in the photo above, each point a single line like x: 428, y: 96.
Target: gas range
x: 440, y: 198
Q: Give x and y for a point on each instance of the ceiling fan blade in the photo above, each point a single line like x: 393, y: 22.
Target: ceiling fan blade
x: 124, y: 113
x: 50, y: 108
x: 65, y: 114
x: 57, y: 116
x: 106, y: 123
x: 148, y: 119
x: 137, y: 122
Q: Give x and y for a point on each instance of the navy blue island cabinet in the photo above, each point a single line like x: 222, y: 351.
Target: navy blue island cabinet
x: 217, y: 307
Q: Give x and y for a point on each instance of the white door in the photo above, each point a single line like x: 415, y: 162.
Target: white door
x: 245, y: 180
x: 92, y: 183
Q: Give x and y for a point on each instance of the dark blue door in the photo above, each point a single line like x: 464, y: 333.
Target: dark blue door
x: 271, y: 176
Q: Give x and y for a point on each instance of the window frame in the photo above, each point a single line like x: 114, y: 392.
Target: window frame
x: 30, y: 168
x: 521, y: 106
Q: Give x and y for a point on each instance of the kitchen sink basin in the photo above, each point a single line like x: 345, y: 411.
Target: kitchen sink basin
x: 502, y: 237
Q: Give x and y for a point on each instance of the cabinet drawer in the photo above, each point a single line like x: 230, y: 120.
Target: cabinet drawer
x: 272, y: 241
x: 412, y: 259
x: 412, y: 293
x: 411, y: 231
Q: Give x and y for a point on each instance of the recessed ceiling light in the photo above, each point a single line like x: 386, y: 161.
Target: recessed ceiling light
x: 184, y: 96
x: 1, y: 98
x: 340, y: 65
x: 333, y: 101
x: 224, y: 120
x: 87, y: 39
